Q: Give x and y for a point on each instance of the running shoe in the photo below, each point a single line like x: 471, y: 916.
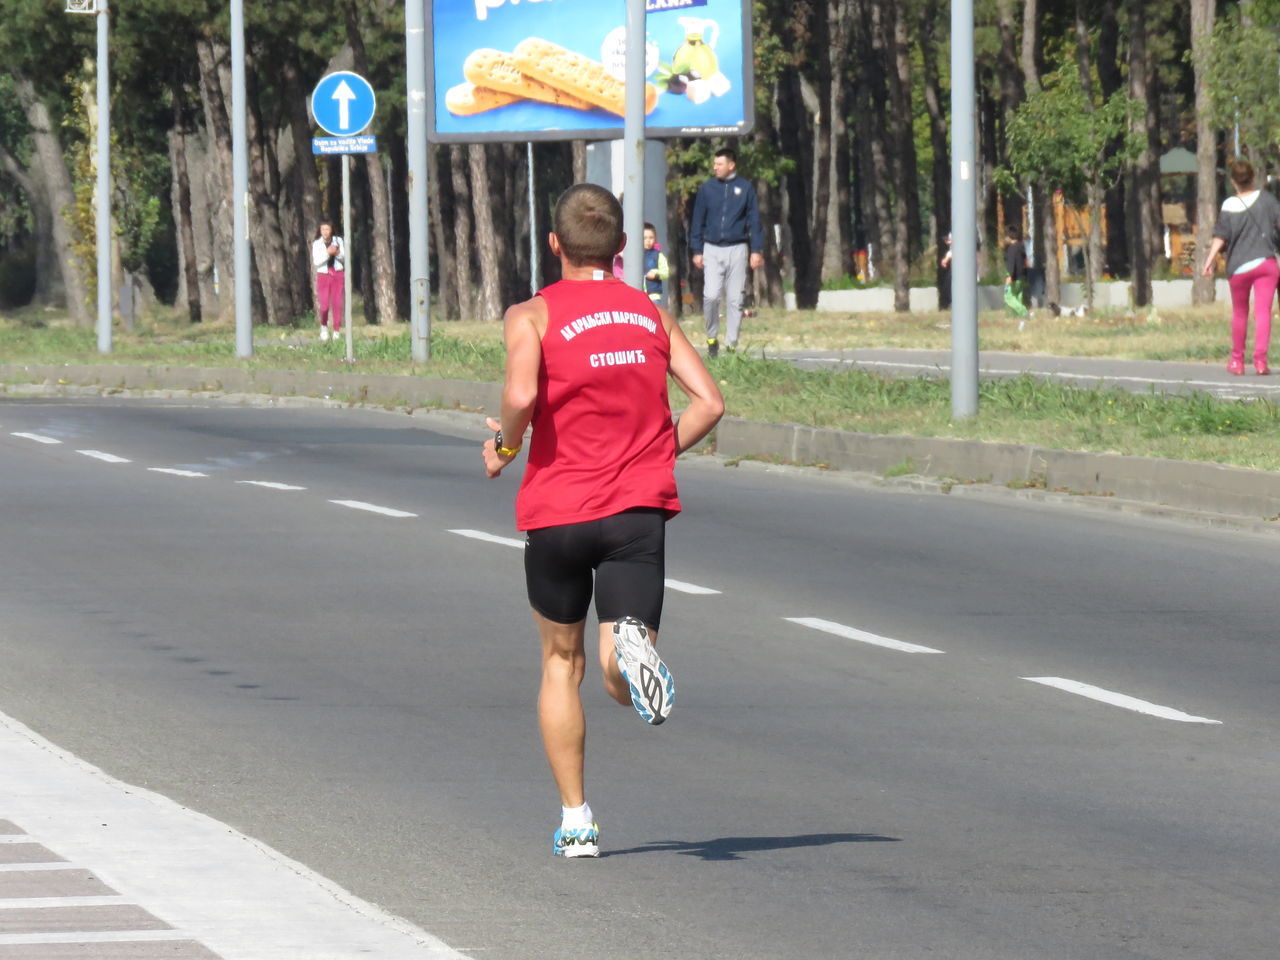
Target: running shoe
x: 713, y: 347
x: 653, y: 692
x: 324, y: 334
x: 577, y: 841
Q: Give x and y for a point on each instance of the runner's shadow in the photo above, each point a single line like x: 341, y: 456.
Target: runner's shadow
x: 731, y: 848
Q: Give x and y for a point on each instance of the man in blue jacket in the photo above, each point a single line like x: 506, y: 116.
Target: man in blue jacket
x: 725, y: 237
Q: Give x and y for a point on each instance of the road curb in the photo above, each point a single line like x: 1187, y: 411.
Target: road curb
x: 1206, y: 488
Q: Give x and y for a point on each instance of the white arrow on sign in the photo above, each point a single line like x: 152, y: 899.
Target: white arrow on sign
x: 344, y: 95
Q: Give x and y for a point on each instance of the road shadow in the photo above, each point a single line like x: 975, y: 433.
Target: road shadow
x: 732, y: 848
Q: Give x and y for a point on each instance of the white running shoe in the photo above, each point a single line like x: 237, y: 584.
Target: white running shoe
x: 577, y: 841
x: 324, y: 334
x: 653, y: 692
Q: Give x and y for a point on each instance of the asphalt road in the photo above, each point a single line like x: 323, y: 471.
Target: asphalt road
x: 356, y: 689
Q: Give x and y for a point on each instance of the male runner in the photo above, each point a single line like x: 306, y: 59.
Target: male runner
x: 587, y: 365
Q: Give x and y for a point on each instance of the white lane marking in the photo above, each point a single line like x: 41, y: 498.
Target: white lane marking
x: 237, y: 896
x: 104, y: 457
x: 37, y: 437
x: 177, y: 473
x: 372, y: 508
x: 53, y: 903
x: 852, y: 633
x: 490, y: 538
x: 271, y: 485
x: 683, y: 587
x: 39, y: 867
x: 98, y: 936
x: 1119, y: 700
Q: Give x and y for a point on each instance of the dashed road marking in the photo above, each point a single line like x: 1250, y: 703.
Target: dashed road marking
x: 1119, y: 700
x: 37, y: 437
x: 852, y: 633
x: 271, y: 485
x: 373, y: 508
x: 174, y: 472
x: 104, y: 457
x: 489, y: 538
x: 693, y: 588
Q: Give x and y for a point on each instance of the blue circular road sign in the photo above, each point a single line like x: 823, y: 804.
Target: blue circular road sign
x: 343, y: 103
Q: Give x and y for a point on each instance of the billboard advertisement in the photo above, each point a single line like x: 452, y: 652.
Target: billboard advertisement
x: 518, y: 70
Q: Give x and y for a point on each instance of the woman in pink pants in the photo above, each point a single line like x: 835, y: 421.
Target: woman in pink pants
x: 328, y: 255
x: 1246, y: 226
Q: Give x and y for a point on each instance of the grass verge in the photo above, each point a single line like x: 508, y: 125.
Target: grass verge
x: 1021, y: 410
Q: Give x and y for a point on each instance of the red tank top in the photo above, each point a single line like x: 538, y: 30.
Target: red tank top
x: 603, y: 440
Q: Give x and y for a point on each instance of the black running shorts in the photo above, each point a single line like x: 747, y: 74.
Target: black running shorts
x: 626, y: 551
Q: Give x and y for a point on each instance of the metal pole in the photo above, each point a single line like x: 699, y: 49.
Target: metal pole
x: 633, y: 148
x: 415, y: 33
x: 964, y: 224
x: 240, y: 185
x: 103, y: 214
x: 346, y: 245
x: 533, y: 231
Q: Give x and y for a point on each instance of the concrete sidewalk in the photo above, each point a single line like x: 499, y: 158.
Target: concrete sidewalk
x: 1195, y: 490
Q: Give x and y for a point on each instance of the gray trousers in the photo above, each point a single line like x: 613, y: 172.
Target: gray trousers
x: 724, y: 275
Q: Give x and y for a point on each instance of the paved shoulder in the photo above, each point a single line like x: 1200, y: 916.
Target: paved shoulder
x: 94, y: 868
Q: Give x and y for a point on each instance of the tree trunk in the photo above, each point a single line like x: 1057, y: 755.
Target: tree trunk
x: 579, y: 161
x: 440, y: 201
x: 48, y: 168
x: 491, y: 283
x: 939, y: 140
x: 1141, y: 225
x: 1044, y: 196
x: 310, y: 209
x: 464, y: 239
x: 838, y: 249
x: 792, y: 113
x: 182, y: 208
x: 271, y: 258
x: 769, y: 283
x: 221, y: 211
x: 874, y: 133
x: 1111, y: 80
x: 903, y: 138
x: 48, y: 282
x: 384, y: 279
x: 1084, y: 67
x: 1202, y: 14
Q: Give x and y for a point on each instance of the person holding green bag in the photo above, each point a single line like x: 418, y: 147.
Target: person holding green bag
x: 1015, y: 269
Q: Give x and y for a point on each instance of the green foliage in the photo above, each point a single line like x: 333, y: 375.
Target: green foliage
x: 1057, y: 134
x: 1241, y: 67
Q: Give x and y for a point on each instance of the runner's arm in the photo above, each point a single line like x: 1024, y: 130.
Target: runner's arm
x: 520, y: 387
x: 706, y: 405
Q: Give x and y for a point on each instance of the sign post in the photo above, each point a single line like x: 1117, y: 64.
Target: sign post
x: 343, y: 104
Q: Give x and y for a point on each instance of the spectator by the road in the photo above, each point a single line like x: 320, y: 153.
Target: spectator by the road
x: 656, y: 268
x: 1015, y: 263
x: 328, y: 256
x: 1246, y: 227
x: 944, y: 276
x: 587, y: 365
x: 725, y: 237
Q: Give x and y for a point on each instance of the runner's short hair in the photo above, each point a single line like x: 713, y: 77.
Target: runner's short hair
x: 1242, y: 173
x: 588, y: 221
x: 728, y: 153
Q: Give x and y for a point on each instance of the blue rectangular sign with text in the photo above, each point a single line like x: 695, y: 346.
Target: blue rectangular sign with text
x: 518, y: 70
x: 328, y: 145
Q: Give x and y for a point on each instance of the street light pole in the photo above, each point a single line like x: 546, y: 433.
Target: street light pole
x: 419, y: 263
x: 103, y: 213
x: 633, y: 147
x: 240, y: 185
x: 964, y: 223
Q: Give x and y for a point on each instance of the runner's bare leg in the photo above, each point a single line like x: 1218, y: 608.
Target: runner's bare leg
x: 560, y: 714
